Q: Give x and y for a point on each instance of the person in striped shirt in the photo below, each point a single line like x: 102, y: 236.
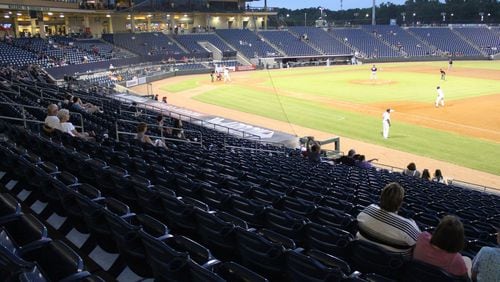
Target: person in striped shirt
x: 381, y: 224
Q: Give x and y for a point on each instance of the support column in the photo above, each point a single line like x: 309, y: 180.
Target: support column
x: 110, y: 23
x: 15, y: 26
x: 33, y: 27
x: 239, y: 23
x: 42, y: 29
x: 148, y: 23
x: 132, y: 23
x: 66, y: 25
x: 86, y: 24
x: 265, y: 22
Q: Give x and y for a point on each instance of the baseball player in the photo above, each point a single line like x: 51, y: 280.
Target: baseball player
x: 386, y: 123
x: 440, y: 97
x: 443, y: 74
x: 450, y: 63
x: 227, y: 78
x: 374, y: 73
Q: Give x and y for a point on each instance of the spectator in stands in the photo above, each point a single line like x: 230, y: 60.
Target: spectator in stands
x: 411, y: 170
x: 347, y: 160
x: 383, y: 226
x: 426, y: 175
x: 485, y: 266
x: 178, y: 131
x: 438, y: 176
x: 143, y: 138
x: 313, y: 149
x: 51, y: 122
x: 87, y: 107
x: 443, y: 246
x: 68, y: 100
x: 363, y: 163
x: 160, y: 120
x: 314, y: 155
x: 68, y: 127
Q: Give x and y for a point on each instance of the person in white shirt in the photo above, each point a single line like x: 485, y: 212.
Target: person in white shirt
x: 67, y: 127
x: 440, y: 97
x: 227, y: 78
x: 51, y: 121
x: 386, y: 123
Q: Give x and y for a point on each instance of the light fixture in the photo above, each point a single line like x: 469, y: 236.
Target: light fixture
x: 50, y: 13
x: 61, y: 16
x: 19, y: 14
x: 10, y: 12
x: 185, y: 15
x: 6, y: 16
x: 149, y: 16
x: 108, y: 16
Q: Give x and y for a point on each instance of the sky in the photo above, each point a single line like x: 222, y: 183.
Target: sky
x: 329, y: 4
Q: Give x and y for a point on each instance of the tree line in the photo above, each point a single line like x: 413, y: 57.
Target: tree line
x: 413, y: 12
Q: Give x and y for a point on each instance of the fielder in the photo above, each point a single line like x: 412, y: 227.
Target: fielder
x: 443, y: 74
x: 227, y: 78
x: 386, y: 123
x: 440, y: 97
x: 374, y: 73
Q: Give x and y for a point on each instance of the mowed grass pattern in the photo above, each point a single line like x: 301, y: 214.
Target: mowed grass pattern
x: 462, y: 150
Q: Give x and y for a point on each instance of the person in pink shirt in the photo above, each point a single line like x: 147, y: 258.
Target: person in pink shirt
x: 442, y: 248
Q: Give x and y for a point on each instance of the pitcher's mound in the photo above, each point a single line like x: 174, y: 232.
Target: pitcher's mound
x: 373, y: 82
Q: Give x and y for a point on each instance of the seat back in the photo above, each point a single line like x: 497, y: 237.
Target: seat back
x: 370, y: 258
x: 417, y: 271
x: 260, y: 254
x: 167, y: 264
x: 329, y: 239
x: 301, y: 267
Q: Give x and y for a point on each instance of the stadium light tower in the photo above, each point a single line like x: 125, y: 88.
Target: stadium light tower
x: 341, y: 5
x: 373, y: 13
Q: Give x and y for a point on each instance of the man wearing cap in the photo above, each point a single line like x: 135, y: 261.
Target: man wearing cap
x: 386, y: 123
x: 440, y: 97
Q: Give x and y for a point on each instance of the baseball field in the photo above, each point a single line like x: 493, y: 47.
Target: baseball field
x: 343, y: 101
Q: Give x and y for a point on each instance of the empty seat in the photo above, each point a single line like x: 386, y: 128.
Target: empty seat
x: 417, y: 271
x: 370, y: 258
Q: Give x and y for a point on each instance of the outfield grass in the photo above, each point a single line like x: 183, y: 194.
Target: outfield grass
x: 403, y: 86
x: 181, y: 86
x: 450, y: 147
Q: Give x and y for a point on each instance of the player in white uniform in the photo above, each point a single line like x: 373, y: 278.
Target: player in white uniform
x: 374, y: 72
x: 227, y: 78
x: 386, y: 123
x: 440, y: 97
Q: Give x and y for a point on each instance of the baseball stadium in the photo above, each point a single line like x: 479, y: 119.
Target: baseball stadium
x: 237, y: 140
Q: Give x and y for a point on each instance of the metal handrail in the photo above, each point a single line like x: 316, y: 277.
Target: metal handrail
x: 24, y: 120
x: 118, y: 132
x: 42, y: 108
x: 465, y: 184
x: 256, y: 143
x: 187, y: 118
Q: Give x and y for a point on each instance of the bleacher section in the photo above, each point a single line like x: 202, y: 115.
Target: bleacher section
x: 400, y: 39
x: 485, y: 38
x: 289, y: 44
x: 368, y: 44
x: 145, y: 44
x: 322, y: 40
x: 202, y: 212
x: 248, y: 43
x: 192, y: 42
x: 445, y: 40
x: 12, y: 55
